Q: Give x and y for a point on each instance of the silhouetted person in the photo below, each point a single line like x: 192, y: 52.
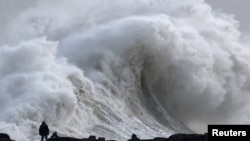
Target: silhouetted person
x: 54, y: 135
x: 44, y: 131
x: 134, y: 138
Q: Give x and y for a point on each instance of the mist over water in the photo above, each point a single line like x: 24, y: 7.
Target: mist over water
x: 113, y: 68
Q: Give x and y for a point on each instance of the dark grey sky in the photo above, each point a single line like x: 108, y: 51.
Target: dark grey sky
x: 239, y: 8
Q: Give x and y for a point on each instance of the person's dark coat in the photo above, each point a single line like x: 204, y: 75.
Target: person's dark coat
x: 44, y: 129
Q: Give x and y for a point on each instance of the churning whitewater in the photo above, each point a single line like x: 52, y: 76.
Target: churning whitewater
x: 113, y: 68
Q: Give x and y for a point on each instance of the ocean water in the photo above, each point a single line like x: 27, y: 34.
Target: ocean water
x: 113, y: 68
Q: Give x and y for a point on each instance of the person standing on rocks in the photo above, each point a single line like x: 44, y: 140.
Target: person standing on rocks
x: 44, y: 131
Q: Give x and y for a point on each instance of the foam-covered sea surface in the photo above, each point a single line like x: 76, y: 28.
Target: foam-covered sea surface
x: 113, y: 68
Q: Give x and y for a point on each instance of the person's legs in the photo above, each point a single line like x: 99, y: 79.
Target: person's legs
x: 46, y: 137
x: 42, y: 137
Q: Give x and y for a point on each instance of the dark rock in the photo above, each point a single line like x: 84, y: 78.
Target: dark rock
x: 175, y: 137
x: 5, y: 137
x: 160, y: 139
x: 187, y: 137
x: 101, y: 139
x: 66, y: 139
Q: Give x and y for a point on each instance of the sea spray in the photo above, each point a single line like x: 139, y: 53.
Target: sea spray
x: 113, y: 68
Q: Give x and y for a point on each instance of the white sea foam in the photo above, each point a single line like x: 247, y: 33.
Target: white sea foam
x: 113, y: 68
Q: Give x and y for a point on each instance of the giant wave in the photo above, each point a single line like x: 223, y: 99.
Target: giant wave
x: 113, y: 68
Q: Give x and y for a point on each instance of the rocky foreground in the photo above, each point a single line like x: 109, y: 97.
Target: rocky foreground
x: 174, y: 137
